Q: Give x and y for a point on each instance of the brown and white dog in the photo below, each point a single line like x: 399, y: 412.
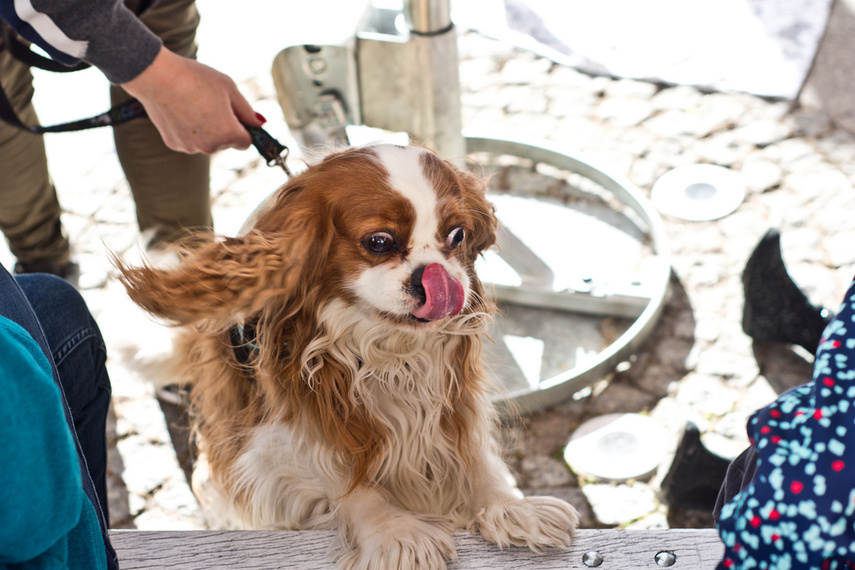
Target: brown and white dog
x: 334, y: 355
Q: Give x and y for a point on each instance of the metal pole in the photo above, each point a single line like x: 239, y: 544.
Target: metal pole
x: 427, y: 16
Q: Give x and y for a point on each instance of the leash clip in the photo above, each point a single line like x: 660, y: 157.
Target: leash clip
x: 269, y: 148
x: 280, y: 161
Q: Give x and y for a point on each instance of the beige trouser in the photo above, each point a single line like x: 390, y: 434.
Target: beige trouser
x: 170, y: 189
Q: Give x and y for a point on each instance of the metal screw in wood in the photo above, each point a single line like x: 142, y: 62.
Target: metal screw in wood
x: 592, y: 559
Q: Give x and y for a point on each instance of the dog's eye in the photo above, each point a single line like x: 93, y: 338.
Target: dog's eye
x: 455, y: 237
x: 379, y: 243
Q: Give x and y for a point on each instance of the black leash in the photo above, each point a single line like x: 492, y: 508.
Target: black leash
x: 274, y: 152
x: 115, y: 116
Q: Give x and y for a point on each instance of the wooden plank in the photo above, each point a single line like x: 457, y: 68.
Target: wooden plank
x: 693, y: 549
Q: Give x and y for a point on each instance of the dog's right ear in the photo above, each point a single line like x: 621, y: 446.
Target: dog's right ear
x: 223, y: 280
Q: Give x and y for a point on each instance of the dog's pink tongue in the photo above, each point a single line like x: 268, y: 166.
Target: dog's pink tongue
x: 443, y: 294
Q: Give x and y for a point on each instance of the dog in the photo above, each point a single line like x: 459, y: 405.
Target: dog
x: 334, y: 353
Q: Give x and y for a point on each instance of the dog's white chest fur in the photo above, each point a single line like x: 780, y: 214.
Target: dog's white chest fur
x: 404, y: 381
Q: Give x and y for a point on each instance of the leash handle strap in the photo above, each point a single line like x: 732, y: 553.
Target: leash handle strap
x: 115, y: 116
x: 24, y: 54
x: 269, y: 148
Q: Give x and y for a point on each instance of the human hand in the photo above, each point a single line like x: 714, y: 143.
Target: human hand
x: 194, y: 107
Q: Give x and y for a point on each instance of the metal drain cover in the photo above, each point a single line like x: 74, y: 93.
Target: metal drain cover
x: 617, y: 447
x: 698, y: 192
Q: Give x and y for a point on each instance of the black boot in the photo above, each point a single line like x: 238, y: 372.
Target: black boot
x: 695, y: 476
x: 775, y: 308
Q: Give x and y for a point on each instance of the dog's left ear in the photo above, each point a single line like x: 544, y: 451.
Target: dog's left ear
x: 281, y: 257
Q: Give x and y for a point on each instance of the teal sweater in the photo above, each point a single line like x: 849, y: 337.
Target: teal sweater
x: 46, y: 520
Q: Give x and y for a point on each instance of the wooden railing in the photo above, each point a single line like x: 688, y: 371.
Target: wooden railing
x: 690, y: 549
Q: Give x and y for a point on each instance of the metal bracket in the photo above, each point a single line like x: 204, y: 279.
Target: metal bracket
x: 399, y: 73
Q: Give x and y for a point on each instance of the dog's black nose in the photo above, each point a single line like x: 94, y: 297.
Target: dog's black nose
x: 416, y: 277
x: 416, y: 290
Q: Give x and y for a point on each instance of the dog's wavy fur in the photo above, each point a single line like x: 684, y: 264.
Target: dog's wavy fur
x: 350, y: 413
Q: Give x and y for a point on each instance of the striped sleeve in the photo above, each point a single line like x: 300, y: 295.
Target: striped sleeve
x: 103, y: 33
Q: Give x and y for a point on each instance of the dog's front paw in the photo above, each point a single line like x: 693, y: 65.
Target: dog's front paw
x: 402, y: 542
x: 535, y: 522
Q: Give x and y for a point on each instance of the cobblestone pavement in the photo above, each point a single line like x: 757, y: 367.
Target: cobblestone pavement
x: 697, y: 365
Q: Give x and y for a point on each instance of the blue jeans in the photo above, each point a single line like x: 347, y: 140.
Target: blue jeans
x: 56, y: 316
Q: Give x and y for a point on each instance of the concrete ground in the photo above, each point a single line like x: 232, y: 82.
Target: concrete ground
x: 798, y: 163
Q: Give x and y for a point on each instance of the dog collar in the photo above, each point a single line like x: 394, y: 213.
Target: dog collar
x: 243, y: 345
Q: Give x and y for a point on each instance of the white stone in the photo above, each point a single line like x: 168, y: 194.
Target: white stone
x: 620, y: 504
x: 176, y: 497
x: 624, y: 112
x: 147, y: 466
x: 525, y: 70
x: 818, y: 181
x: 157, y: 519
x: 762, y: 132
x: 706, y: 394
x: 761, y: 174
x: 656, y: 520
x: 680, y: 97
x: 841, y: 248
x: 146, y: 417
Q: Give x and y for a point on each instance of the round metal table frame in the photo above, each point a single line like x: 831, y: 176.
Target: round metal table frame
x: 563, y: 386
